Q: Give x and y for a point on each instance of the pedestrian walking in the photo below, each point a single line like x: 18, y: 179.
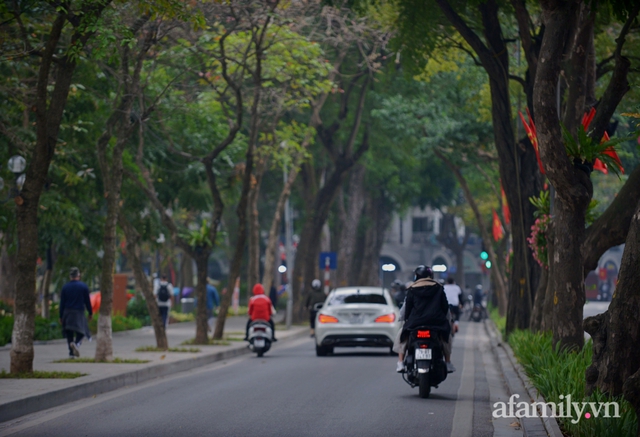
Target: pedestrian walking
x: 316, y: 295
x: 74, y: 300
x: 163, y: 292
x: 213, y: 301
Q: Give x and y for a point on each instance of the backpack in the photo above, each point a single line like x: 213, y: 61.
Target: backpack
x: 163, y: 293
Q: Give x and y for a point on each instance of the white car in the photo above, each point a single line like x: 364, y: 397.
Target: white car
x: 356, y: 316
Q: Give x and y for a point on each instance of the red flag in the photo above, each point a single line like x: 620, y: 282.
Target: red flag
x: 530, y: 129
x: 505, y: 206
x: 498, y: 232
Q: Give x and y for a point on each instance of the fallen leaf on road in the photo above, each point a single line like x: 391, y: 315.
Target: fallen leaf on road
x: 162, y: 357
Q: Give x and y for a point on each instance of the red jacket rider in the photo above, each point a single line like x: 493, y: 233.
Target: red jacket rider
x: 260, y: 308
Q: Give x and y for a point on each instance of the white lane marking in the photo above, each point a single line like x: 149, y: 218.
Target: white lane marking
x: 463, y: 415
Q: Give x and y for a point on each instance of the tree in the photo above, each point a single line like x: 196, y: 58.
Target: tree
x: 71, y: 26
x: 569, y: 28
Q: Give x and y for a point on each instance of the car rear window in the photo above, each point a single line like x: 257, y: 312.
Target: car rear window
x: 340, y: 299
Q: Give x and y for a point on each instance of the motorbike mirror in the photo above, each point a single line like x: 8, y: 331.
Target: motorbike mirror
x: 318, y: 306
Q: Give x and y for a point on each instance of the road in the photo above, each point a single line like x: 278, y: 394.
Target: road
x: 288, y: 392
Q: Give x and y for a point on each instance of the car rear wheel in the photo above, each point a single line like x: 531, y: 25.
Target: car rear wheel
x: 321, y: 351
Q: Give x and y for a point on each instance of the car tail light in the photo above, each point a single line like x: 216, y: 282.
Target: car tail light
x: 424, y: 334
x: 323, y: 318
x: 387, y: 318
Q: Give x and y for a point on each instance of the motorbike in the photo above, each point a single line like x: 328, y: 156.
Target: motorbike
x: 260, y: 335
x: 477, y: 313
x: 424, y: 361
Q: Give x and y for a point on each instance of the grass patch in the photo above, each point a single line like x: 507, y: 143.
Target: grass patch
x: 556, y: 373
x: 171, y: 349
x: 501, y: 322
x: 40, y: 374
x: 181, y: 317
x: 114, y: 361
x: 212, y: 342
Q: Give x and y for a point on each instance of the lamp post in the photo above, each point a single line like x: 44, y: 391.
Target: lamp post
x: 16, y: 165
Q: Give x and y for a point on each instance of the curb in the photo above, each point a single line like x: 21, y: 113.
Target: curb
x: 550, y: 423
x: 43, y: 401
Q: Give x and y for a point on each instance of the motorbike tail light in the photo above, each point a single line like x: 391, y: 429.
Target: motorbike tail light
x: 424, y: 346
x: 387, y: 318
x: 259, y: 329
x: 424, y: 334
x: 323, y: 318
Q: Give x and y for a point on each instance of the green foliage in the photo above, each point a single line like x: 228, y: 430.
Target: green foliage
x: 41, y: 374
x: 118, y: 323
x: 45, y: 329
x: 212, y: 342
x: 137, y: 308
x: 542, y: 203
x: 556, y: 373
x: 171, y: 349
x: 586, y: 150
x: 500, y: 321
x: 116, y: 360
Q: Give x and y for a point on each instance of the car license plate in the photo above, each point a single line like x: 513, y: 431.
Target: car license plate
x: 423, y: 354
x: 258, y: 342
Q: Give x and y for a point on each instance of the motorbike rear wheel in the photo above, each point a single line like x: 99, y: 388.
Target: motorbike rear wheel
x: 423, y: 385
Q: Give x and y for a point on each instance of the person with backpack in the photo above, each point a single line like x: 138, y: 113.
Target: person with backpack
x: 163, y: 293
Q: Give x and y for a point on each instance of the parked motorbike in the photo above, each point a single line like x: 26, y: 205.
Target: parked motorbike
x: 424, y: 361
x: 260, y: 335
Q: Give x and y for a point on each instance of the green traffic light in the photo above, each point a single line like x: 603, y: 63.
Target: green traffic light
x: 488, y: 264
x: 484, y: 255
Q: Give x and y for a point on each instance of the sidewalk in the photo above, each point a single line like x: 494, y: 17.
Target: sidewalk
x: 24, y: 396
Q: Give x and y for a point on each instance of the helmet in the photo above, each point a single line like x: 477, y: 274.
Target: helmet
x: 478, y: 287
x: 421, y: 272
x: 316, y: 284
x: 397, y: 284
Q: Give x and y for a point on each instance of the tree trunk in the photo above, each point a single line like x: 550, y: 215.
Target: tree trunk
x: 349, y: 228
x: 142, y: 283
x: 7, y: 272
x: 309, y: 246
x: 253, y: 274
x: 46, y: 283
x: 546, y: 323
x: 449, y: 238
x: 538, y: 303
x: 615, y: 367
x: 272, y: 244
x: 202, y: 325
x: 500, y: 281
x: 378, y: 218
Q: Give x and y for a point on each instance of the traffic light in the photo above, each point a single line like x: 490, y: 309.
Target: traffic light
x: 485, y: 256
x: 487, y: 264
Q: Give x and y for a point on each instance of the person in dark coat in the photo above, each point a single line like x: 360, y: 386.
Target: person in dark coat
x: 74, y: 299
x: 426, y: 305
x: 316, y: 295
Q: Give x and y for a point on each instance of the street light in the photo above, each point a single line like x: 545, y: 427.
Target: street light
x: 16, y: 165
x: 439, y: 268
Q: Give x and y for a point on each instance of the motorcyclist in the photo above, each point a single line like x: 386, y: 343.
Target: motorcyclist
x: 426, y: 305
x: 315, y: 296
x: 478, y: 295
x: 399, y: 291
x: 260, y: 308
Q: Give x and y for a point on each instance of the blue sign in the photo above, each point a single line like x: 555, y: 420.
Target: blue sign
x: 333, y: 260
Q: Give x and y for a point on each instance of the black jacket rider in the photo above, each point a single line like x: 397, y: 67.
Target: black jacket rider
x: 427, y: 305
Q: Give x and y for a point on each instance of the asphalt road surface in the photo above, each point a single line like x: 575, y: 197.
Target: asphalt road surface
x: 288, y: 392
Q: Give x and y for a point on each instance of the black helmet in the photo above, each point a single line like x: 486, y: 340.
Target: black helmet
x: 422, y: 272
x: 397, y: 284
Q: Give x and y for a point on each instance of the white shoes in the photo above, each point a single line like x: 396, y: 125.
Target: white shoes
x: 450, y: 368
x: 400, y: 367
x: 74, y: 349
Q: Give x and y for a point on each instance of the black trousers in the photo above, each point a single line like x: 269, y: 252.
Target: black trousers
x: 455, y: 312
x: 273, y: 328
x: 69, y: 334
x: 164, y: 314
x: 312, y: 318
